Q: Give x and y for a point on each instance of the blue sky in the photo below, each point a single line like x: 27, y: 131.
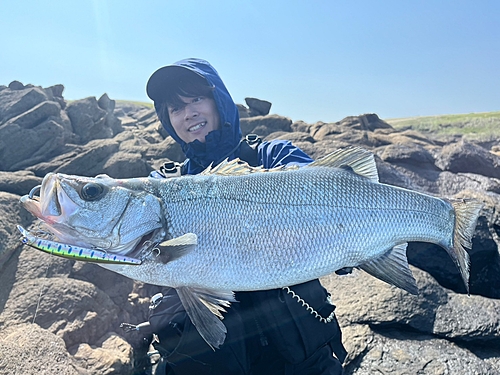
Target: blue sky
x: 314, y: 60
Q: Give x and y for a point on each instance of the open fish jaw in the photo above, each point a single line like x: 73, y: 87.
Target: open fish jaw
x: 115, y: 219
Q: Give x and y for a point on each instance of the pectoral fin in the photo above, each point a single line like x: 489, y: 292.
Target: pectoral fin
x: 204, y: 307
x: 176, y: 247
x: 392, y: 267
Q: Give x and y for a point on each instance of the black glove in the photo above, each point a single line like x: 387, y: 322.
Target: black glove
x: 167, y: 317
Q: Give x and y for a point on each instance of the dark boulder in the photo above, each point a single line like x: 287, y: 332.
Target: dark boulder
x: 258, y: 107
x: 467, y: 157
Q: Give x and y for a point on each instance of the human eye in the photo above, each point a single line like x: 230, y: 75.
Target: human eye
x: 198, y: 99
x: 173, y: 110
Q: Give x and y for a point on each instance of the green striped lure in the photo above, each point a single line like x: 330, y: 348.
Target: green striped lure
x: 73, y: 252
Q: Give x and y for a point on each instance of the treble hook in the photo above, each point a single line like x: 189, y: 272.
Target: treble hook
x: 34, y: 191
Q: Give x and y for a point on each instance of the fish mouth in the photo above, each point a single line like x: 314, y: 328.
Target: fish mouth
x: 54, y: 207
x: 140, y: 248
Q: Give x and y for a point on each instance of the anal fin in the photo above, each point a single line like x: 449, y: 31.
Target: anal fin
x: 392, y: 267
x: 204, y: 307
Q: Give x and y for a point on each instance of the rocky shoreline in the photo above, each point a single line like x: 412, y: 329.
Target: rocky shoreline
x: 61, y: 316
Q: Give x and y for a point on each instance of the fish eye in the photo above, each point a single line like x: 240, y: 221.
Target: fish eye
x: 91, y: 191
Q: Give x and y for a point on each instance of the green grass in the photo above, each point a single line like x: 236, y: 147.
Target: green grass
x: 145, y: 104
x: 477, y: 126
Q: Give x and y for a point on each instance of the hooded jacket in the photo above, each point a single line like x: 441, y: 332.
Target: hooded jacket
x: 295, y: 334
x: 225, y: 142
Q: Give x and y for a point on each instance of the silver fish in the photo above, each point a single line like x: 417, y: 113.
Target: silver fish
x: 238, y: 228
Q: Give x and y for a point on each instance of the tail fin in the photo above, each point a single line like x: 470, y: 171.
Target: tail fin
x: 466, y: 215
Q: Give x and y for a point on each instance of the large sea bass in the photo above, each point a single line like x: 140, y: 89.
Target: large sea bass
x: 237, y: 228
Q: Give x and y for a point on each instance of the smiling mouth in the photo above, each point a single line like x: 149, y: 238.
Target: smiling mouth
x: 197, y: 126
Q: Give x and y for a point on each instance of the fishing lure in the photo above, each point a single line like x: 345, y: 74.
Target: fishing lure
x: 73, y: 252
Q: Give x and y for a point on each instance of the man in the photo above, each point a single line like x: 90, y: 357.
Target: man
x: 269, y: 332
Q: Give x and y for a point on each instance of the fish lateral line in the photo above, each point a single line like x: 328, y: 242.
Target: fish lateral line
x: 74, y: 252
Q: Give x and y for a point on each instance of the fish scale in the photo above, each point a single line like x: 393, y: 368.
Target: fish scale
x: 275, y: 228
x: 238, y: 228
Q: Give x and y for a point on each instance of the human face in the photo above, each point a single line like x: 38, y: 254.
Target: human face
x: 195, y: 119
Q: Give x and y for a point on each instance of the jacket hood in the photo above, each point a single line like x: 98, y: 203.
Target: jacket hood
x: 219, y: 144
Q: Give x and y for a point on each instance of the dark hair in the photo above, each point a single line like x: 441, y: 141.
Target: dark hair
x: 190, y: 86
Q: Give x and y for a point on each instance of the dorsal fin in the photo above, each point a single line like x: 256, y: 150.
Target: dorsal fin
x: 358, y: 159
x: 236, y: 167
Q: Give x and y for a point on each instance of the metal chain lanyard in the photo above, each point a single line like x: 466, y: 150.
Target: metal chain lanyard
x: 309, y: 308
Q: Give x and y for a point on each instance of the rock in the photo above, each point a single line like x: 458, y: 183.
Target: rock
x: 301, y: 126
x: 16, y: 85
x: 83, y: 315
x: 379, y: 320
x: 393, y: 352
x: 368, y: 122
x: 468, y: 318
x: 409, y: 153
x: 145, y: 115
x: 265, y: 125
x: 415, y: 161
x: 11, y: 214
x: 132, y: 297
x: 320, y: 130
x: 466, y: 157
x: 90, y: 122
x: 76, y: 310
x: 392, y: 175
x: 36, y: 115
x: 78, y: 306
x: 15, y: 102
x: 41, y: 143
x: 106, y: 103
x: 112, y: 121
x: 360, y: 130
x: 258, y: 107
x: 362, y: 299
x: 292, y: 137
x: 126, y: 165
x: 20, y: 182
x: 56, y: 90
x: 111, y: 355
x: 32, y: 117
x: 91, y: 160
x: 30, y: 350
x: 129, y: 107
x: 243, y: 111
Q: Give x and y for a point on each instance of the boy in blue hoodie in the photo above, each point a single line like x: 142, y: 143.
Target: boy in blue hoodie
x: 269, y: 332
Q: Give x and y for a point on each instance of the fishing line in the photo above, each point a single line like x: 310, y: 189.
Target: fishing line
x: 40, y: 295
